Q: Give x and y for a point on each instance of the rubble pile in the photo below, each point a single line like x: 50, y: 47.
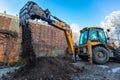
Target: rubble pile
x: 46, y: 68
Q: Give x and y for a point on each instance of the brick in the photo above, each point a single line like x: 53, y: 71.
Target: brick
x: 5, y: 24
x: 45, y: 38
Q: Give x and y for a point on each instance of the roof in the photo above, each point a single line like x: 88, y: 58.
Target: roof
x: 93, y: 27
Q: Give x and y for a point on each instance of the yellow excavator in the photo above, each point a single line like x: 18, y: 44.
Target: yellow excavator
x: 92, y: 42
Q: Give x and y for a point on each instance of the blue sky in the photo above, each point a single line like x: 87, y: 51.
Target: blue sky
x: 81, y: 12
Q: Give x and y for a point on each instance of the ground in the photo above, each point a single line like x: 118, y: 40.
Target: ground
x: 65, y: 69
x: 108, y: 71
x: 5, y: 70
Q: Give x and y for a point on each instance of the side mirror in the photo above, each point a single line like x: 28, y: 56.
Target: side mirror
x: 108, y: 30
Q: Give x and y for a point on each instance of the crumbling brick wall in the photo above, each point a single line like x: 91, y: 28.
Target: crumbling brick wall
x: 9, y: 23
x: 45, y: 38
x: 4, y: 22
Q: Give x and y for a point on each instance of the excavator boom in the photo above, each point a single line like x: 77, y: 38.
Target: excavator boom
x: 32, y: 11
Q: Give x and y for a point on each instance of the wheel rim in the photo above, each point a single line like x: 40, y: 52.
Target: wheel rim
x: 100, y: 55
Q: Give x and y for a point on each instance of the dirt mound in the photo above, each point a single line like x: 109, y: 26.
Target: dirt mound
x: 46, y: 68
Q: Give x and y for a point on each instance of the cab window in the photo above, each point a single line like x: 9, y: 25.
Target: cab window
x: 83, y: 38
x: 93, y: 35
x: 102, y: 37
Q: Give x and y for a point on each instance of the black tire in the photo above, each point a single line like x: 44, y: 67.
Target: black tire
x: 100, y: 55
x: 117, y: 53
x: 85, y: 58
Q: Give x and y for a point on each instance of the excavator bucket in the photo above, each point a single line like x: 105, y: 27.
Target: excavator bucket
x: 35, y: 12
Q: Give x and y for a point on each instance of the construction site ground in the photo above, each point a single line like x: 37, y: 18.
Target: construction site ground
x: 62, y: 68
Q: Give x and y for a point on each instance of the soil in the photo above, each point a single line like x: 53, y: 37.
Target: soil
x: 62, y: 68
x: 46, y: 68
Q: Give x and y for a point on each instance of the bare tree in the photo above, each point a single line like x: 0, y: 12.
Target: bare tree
x: 75, y: 33
x: 112, y: 22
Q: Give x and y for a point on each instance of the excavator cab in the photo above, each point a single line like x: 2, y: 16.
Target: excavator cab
x: 93, y: 34
x: 93, y: 43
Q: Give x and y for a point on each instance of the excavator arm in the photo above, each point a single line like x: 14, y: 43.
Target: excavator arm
x: 32, y: 11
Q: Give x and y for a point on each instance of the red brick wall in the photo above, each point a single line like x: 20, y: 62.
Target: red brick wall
x: 47, y: 38
x: 4, y: 22
x: 2, y: 47
x: 14, y: 42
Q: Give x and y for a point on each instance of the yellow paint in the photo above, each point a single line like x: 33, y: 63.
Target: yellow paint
x: 67, y: 31
x: 69, y: 41
x: 87, y: 28
x: 89, y: 46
